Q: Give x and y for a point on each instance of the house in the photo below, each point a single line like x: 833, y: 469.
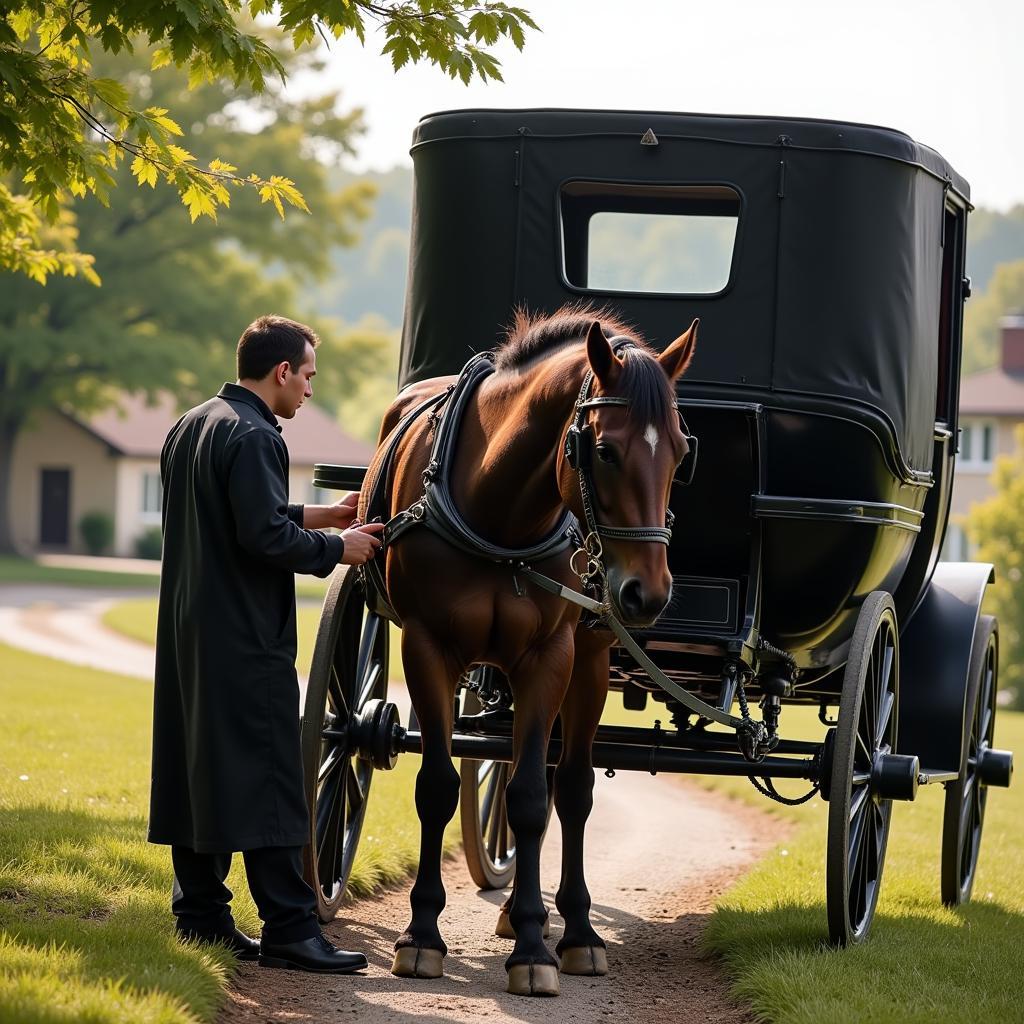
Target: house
x: 67, y: 465
x: 991, y: 408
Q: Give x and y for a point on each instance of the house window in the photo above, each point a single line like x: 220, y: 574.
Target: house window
x: 152, y: 494
x: 661, y: 239
x: 977, y: 445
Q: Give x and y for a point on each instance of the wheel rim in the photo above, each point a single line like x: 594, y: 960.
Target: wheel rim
x: 349, y: 669
x: 974, y: 794
x: 499, y: 842
x: 869, y: 816
x: 858, y: 824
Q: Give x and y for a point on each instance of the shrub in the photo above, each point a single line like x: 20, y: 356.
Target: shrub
x: 149, y: 543
x: 97, y: 530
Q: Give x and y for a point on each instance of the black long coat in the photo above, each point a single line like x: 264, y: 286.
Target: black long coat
x: 227, y: 772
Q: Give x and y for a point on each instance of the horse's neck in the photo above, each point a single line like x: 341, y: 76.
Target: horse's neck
x: 505, y: 480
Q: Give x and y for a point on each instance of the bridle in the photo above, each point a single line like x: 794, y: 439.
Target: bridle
x: 587, y: 560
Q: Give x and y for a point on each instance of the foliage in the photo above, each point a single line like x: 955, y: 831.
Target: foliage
x: 176, y: 296
x: 1004, y: 295
x: 97, y: 530
x: 149, y: 543
x: 922, y: 962
x: 357, y: 372
x: 66, y: 128
x: 993, y: 237
x: 86, y: 932
x: 997, y: 527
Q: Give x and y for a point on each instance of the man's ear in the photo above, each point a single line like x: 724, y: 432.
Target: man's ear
x: 281, y: 372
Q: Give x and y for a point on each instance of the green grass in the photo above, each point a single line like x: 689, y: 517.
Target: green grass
x: 922, y: 963
x: 24, y: 570
x: 136, y: 618
x: 86, y: 932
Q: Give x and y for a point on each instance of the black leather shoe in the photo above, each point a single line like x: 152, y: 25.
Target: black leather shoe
x: 315, y: 954
x: 238, y: 942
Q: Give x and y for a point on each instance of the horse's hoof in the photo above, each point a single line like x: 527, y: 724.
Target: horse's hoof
x: 413, y: 962
x: 533, y: 980
x: 504, y: 930
x: 589, y: 960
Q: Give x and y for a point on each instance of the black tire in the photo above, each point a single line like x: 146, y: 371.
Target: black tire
x: 487, y: 839
x: 858, y: 820
x: 964, y: 812
x: 349, y: 669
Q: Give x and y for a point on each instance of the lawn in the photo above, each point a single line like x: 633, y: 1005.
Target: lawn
x: 923, y: 963
x: 136, y: 618
x: 85, y: 928
x: 24, y: 570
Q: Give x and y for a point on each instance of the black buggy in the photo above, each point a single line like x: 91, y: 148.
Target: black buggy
x: 826, y: 261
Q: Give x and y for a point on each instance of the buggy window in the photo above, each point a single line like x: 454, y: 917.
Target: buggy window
x: 668, y: 239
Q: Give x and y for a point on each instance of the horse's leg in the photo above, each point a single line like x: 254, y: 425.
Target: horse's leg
x: 420, y: 950
x: 581, y: 949
x: 538, y: 686
x: 503, y: 929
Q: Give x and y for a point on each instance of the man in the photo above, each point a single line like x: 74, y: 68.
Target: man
x: 227, y: 771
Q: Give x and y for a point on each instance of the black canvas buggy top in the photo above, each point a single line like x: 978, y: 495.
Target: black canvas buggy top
x: 835, y: 290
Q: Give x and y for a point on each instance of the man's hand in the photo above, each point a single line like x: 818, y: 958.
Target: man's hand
x: 339, y: 515
x: 361, y: 543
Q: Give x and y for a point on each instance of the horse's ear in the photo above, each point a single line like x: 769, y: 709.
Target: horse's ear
x: 603, y: 360
x: 676, y: 358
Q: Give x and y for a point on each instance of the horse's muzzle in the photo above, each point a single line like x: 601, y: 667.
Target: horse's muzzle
x: 636, y: 605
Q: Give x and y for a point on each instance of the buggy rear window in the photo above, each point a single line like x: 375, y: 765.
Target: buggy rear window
x: 664, y: 239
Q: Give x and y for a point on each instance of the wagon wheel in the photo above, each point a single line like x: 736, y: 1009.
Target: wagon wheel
x: 487, y: 839
x: 858, y: 819
x: 343, y: 718
x: 964, y: 812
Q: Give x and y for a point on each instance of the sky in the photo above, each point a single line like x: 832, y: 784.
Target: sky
x: 951, y: 75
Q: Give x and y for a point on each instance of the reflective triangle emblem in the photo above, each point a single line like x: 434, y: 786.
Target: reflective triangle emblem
x: 649, y: 138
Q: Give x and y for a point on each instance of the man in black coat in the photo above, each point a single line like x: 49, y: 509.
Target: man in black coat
x: 227, y: 770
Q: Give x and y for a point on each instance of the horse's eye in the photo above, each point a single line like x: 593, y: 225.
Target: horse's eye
x: 606, y: 453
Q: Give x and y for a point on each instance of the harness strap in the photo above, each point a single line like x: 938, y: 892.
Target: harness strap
x: 687, y: 699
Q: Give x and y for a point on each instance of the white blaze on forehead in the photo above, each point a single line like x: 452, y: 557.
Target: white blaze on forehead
x: 651, y: 437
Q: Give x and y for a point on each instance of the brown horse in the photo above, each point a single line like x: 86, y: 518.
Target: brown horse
x: 511, y: 482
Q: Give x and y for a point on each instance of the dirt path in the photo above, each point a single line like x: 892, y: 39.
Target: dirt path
x: 659, y: 853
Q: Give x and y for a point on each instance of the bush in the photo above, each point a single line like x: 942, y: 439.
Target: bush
x: 97, y: 530
x: 149, y: 543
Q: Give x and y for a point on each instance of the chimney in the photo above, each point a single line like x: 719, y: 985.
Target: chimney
x: 1012, y: 336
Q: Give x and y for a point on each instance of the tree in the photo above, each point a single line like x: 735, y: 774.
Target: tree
x: 176, y: 295
x: 64, y: 128
x: 1005, y: 294
x: 997, y: 527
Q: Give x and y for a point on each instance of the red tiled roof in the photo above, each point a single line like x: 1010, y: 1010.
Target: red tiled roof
x: 992, y: 393
x: 135, y: 428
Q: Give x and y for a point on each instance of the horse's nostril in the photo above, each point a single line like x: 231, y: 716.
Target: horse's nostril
x: 631, y: 597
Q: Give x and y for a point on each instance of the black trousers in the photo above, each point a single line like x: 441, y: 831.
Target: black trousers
x: 286, y: 904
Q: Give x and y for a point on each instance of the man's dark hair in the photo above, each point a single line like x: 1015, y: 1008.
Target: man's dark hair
x: 270, y: 340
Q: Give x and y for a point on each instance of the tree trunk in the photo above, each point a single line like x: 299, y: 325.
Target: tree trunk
x: 9, y: 430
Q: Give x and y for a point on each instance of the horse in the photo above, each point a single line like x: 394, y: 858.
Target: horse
x: 512, y: 480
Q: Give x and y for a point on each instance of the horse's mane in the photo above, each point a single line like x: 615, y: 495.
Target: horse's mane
x: 534, y: 335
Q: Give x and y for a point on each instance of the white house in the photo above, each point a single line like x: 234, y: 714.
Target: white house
x: 66, y: 466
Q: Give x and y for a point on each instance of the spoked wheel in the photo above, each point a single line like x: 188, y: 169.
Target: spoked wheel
x: 487, y: 839
x: 964, y: 812
x: 346, y: 731
x: 858, y: 818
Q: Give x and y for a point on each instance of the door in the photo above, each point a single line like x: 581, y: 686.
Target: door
x: 55, y: 507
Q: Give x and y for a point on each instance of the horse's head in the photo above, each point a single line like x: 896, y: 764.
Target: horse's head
x: 623, y: 449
